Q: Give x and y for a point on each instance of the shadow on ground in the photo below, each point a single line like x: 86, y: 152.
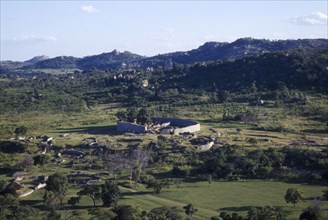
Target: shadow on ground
x: 94, y: 130
x: 236, y: 209
x: 135, y: 193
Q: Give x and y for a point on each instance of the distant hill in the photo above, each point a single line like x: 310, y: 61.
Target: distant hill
x: 37, y: 59
x: 62, y: 62
x: 112, y: 60
x: 210, y: 51
x: 244, y: 47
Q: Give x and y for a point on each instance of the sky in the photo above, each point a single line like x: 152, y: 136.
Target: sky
x: 82, y: 28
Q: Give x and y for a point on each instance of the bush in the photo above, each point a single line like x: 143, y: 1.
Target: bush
x: 12, y: 147
x: 22, y: 130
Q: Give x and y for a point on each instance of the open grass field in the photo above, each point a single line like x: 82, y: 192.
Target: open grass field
x: 212, y: 199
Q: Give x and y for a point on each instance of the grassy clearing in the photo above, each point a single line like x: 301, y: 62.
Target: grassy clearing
x: 229, y: 197
x: 209, y: 200
x: 225, y: 196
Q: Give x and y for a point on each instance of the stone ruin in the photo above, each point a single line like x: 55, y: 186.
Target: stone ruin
x: 160, y: 125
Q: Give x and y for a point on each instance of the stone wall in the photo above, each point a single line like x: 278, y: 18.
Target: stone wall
x: 182, y: 125
x: 130, y: 127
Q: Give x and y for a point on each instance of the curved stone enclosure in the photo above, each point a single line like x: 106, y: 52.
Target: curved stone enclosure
x: 179, y: 125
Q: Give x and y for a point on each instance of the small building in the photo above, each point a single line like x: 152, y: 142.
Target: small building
x: 14, y: 186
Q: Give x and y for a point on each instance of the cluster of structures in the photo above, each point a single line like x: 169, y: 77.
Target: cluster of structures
x: 16, y: 186
x: 174, y: 126
x: 160, y: 125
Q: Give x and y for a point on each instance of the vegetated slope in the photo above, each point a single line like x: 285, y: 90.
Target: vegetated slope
x: 37, y: 59
x: 62, y: 62
x: 8, y: 65
x: 301, y: 69
x: 112, y: 60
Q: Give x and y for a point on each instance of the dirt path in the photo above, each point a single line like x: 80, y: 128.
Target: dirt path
x: 174, y: 203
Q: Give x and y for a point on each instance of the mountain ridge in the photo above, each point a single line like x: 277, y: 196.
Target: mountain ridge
x: 209, y: 51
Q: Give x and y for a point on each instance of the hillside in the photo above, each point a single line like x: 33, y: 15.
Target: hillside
x: 112, y: 60
x: 269, y: 75
x: 301, y: 69
x: 37, y: 59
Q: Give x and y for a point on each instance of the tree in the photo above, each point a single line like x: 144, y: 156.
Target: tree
x: 312, y: 212
x: 25, y: 163
x: 266, y: 213
x: 157, y: 185
x: 190, y: 210
x: 24, y: 212
x: 110, y: 193
x: 293, y: 196
x: 122, y: 116
x: 91, y: 191
x: 209, y: 179
x: 57, y: 184
x: 41, y: 159
x: 131, y: 114
x: 22, y: 130
x: 50, y: 200
x: 164, y: 213
x: 7, y: 202
x: 100, y: 214
x: 128, y: 212
x: 139, y: 159
x: 226, y: 216
x: 53, y: 215
x: 144, y: 116
x: 325, y: 195
x: 74, y: 200
x: 12, y: 147
x: 72, y: 215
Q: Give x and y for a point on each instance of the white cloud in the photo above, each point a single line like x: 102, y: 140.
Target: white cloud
x: 89, y: 9
x: 316, y: 18
x: 33, y: 38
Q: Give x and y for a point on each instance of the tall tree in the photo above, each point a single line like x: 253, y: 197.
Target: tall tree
x: 139, y: 160
x: 92, y: 191
x: 190, y: 210
x: 57, y: 184
x: 144, y: 116
x: 110, y: 193
x: 293, y: 196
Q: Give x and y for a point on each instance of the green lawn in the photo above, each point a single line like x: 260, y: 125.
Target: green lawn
x: 229, y: 197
